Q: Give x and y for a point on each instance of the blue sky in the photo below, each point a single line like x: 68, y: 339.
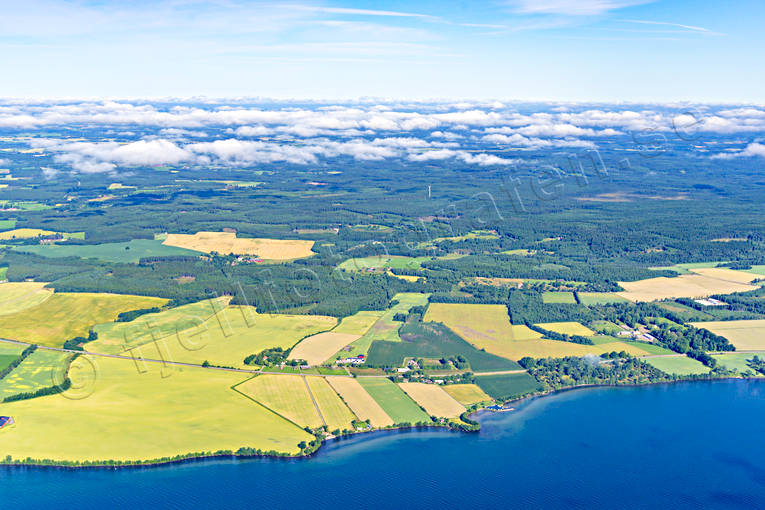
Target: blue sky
x: 569, y: 50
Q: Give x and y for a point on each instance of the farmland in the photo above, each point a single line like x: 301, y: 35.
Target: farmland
x: 567, y: 328
x: 558, y: 297
x: 600, y: 298
x: 680, y: 365
x: 194, y: 408
x: 433, y: 399
x: 746, y: 335
x: 18, y: 296
x: 318, y: 348
x: 393, y: 400
x: 736, y: 361
x: 41, y: 369
x: 63, y: 316
x: 703, y: 283
x: 507, y: 386
x: 128, y: 252
x: 333, y: 409
x: 359, y: 401
x: 228, y: 242
x: 285, y: 395
x: 380, y: 262
x: 466, y: 394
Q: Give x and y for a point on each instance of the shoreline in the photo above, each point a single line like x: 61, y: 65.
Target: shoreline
x: 204, y: 457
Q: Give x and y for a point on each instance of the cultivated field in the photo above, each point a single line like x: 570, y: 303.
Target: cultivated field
x: 385, y: 328
x: 681, y: 365
x: 725, y: 274
x: 382, y: 262
x: 318, y: 348
x: 115, y: 337
x: 466, y: 394
x: 713, y: 281
x: 18, y: 296
x: 433, y: 399
x: 129, y: 252
x: 393, y: 400
x: 128, y: 415
x: 358, y: 323
x: 64, y: 316
x: 488, y: 327
x: 8, y: 354
x: 286, y: 395
x: 558, y: 297
x: 736, y: 361
x: 567, y: 328
x: 41, y: 369
x: 231, y: 335
x: 333, y: 409
x: 25, y: 233
x: 746, y: 335
x: 600, y: 298
x: 360, y: 402
x: 227, y: 242
x: 507, y: 386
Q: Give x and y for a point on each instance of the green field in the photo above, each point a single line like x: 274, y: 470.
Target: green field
x: 607, y: 327
x: 393, y: 400
x: 680, y: 365
x: 129, y: 252
x: 386, y: 328
x: 3, y: 273
x: 114, y: 411
x: 335, y: 412
x: 599, y: 298
x: 507, y: 386
x: 7, y: 224
x: 736, y: 361
x: 24, y: 205
x: 64, y: 316
x: 41, y: 369
x: 433, y: 340
x: 558, y: 297
x: 380, y: 262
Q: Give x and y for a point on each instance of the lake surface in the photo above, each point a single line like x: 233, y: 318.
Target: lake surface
x: 689, y: 445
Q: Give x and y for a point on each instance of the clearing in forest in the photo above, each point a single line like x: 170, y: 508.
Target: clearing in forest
x: 558, y: 297
x: 433, y: 399
x: 360, y: 402
x: 600, y: 298
x: 227, y: 242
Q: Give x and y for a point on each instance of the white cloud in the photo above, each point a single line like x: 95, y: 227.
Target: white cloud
x: 751, y: 150
x: 573, y: 7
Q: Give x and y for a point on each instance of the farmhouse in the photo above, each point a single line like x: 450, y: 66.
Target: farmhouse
x: 357, y: 360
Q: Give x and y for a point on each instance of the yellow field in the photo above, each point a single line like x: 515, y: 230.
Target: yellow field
x: 227, y: 242
x: 126, y: 415
x: 725, y: 274
x: 360, y: 402
x: 433, y: 399
x: 359, y: 323
x: 708, y: 281
x: 746, y: 335
x: 488, y: 327
x: 67, y: 315
x: 318, y: 348
x: 231, y: 335
x: 407, y: 277
x: 25, y: 233
x: 286, y: 395
x: 115, y: 337
x: 15, y: 297
x: 335, y: 412
x: 567, y: 328
x: 466, y: 394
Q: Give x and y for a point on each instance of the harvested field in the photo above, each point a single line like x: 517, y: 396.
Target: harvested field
x: 433, y: 399
x: 25, y: 233
x: 360, y: 402
x: 320, y: 347
x: 567, y: 328
x: 690, y: 285
x: 227, y: 242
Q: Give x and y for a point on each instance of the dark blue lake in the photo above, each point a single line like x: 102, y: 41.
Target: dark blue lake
x: 690, y: 445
